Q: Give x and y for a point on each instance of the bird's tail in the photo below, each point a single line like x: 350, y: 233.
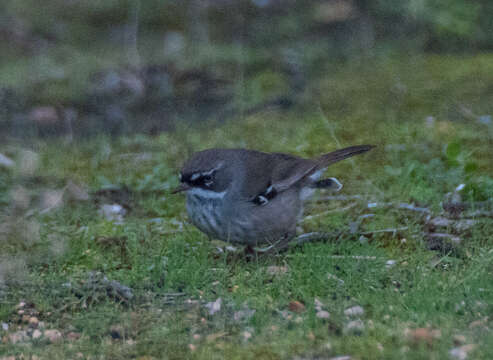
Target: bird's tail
x: 338, y: 155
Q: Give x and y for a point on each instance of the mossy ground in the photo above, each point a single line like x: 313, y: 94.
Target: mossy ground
x: 421, y: 112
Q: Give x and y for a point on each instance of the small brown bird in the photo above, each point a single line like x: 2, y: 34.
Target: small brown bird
x: 254, y: 198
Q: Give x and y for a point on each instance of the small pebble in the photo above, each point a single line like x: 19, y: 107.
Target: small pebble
x: 36, y: 334
x: 462, y: 352
x: 389, y: 264
x: 73, y: 335
x: 459, y: 339
x: 21, y: 305
x: 18, y: 337
x: 354, y: 311
x: 53, y: 335
x: 355, y: 326
x: 322, y: 314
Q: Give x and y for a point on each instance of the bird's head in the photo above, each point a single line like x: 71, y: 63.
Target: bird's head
x: 206, y: 171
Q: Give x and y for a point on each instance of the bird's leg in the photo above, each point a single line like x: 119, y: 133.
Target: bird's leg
x: 287, y: 242
x: 311, y: 237
x: 276, y: 247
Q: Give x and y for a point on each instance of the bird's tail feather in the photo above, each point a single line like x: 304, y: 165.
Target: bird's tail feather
x: 338, y: 155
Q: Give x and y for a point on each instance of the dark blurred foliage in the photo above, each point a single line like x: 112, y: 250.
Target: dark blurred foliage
x: 119, y: 66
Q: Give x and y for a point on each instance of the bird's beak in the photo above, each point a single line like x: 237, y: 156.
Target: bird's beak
x: 180, y: 188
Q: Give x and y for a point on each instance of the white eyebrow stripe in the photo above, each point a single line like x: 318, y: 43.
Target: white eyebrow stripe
x: 195, y: 176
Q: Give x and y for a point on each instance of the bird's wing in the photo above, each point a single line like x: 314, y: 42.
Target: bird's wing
x: 290, y: 170
x: 268, y: 174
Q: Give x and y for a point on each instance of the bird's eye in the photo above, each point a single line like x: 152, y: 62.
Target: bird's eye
x: 207, y: 179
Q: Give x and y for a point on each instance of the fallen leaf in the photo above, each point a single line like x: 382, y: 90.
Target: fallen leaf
x: 215, y: 336
x: 296, y: 306
x: 422, y: 335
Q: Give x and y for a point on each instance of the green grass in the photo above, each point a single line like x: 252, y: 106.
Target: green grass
x: 156, y: 252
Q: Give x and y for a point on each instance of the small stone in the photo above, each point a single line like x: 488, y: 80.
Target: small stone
x: 355, y: 327
x: 322, y: 314
x: 36, y: 334
x: 196, y: 336
x: 459, y: 339
x: 246, y: 335
x: 130, y: 342
x: 21, y: 305
x: 354, y: 311
x: 41, y: 325
x: 44, y: 115
x: 113, y: 212
x: 243, y: 314
x: 462, y: 352
x: 318, y: 304
x: 79, y: 355
x: 5, y: 326
x: 72, y: 336
x: 18, y: 337
x: 214, y: 306
x: 296, y: 306
x: 479, y: 323
x: 6, y: 161
x: 390, y: 263
x: 33, y: 321
x: 53, y: 335
x: 342, y: 357
x: 117, y: 331
x: 277, y: 270
x: 76, y: 192
x: 192, y: 347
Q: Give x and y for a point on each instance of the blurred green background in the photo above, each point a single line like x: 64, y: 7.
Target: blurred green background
x: 81, y: 68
